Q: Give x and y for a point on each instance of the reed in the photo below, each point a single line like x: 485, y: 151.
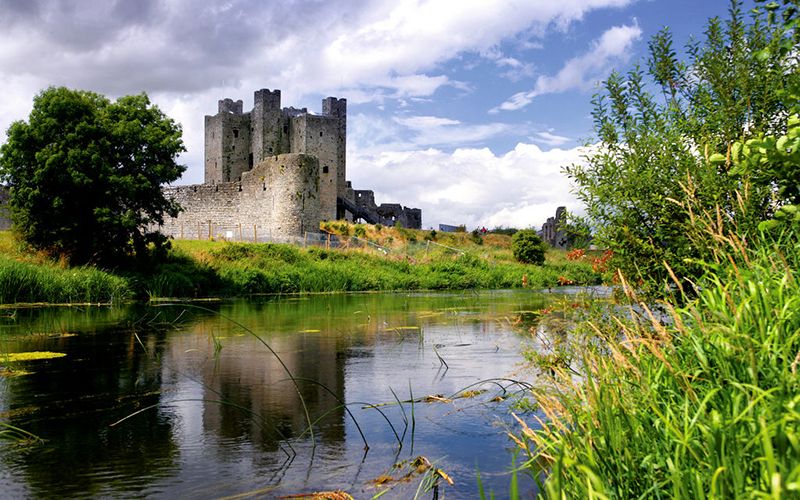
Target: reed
x: 697, y: 401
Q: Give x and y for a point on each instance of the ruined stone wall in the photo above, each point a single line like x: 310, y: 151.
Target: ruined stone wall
x: 280, y: 196
x: 388, y: 214
x: 552, y: 233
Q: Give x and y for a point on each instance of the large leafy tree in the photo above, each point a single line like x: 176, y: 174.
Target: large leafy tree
x: 84, y: 174
x: 660, y: 129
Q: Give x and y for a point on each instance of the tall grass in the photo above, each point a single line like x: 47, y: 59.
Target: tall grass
x: 266, y: 268
x: 699, y: 401
x: 27, y: 282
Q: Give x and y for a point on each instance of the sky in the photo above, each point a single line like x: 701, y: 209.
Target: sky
x: 467, y: 109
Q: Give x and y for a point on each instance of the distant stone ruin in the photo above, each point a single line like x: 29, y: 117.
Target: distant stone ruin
x: 276, y: 172
x: 551, y: 232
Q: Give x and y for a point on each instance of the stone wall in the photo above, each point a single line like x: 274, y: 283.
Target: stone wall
x: 279, y: 197
x: 316, y: 135
x: 387, y: 214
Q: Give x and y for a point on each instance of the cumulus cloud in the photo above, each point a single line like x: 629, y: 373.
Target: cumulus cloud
x: 581, y: 72
x: 476, y: 187
x: 187, y: 54
x: 182, y: 46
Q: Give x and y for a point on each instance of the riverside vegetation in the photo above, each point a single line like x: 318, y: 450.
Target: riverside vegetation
x: 689, y: 387
x: 405, y: 260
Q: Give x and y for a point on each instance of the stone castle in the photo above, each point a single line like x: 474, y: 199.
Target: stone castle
x: 277, y: 171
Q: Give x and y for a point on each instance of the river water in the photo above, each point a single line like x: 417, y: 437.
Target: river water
x: 203, y: 400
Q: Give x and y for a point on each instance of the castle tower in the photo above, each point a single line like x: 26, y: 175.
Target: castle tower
x: 227, y: 148
x: 270, y: 128
x: 337, y: 108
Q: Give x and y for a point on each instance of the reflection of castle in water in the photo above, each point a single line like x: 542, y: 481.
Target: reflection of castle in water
x: 247, y: 392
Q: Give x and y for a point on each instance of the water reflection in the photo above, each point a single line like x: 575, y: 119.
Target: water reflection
x: 218, y: 413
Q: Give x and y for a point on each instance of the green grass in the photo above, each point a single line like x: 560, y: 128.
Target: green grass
x: 703, y: 402
x: 267, y: 268
x: 197, y: 269
x: 25, y: 282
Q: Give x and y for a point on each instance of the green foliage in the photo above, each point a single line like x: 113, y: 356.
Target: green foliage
x: 654, y: 153
x: 26, y: 282
x: 475, y: 237
x: 360, y: 231
x: 576, y: 229
x: 85, y: 174
x: 528, y: 247
x: 695, y: 402
x: 508, y: 231
x: 245, y: 268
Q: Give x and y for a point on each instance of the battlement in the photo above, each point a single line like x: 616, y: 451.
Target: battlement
x: 231, y: 106
x: 267, y: 99
x: 332, y: 106
x: 291, y: 111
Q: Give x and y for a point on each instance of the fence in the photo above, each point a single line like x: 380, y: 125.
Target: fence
x: 260, y: 234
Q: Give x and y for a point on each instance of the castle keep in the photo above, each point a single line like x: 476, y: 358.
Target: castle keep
x: 277, y: 171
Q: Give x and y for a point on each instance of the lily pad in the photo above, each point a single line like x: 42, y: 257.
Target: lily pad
x: 30, y: 356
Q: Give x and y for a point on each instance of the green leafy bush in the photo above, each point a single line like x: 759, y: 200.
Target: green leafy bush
x: 528, y: 247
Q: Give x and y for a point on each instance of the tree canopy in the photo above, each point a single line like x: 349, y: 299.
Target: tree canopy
x: 657, y: 153
x: 84, y: 174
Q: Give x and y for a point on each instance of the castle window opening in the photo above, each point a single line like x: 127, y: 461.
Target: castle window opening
x: 250, y: 160
x: 236, y: 133
x: 325, y: 169
x: 320, y: 133
x: 286, y: 129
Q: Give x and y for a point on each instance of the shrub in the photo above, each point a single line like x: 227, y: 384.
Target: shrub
x: 528, y: 247
x: 476, y: 237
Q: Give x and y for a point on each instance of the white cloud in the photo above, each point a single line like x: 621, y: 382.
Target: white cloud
x: 548, y: 138
x: 476, y: 187
x: 581, y: 72
x: 187, y: 54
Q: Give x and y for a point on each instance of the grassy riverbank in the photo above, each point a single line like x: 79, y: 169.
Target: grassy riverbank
x: 699, y: 401
x: 395, y: 259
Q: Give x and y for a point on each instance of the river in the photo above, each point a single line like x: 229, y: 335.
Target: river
x: 214, y: 399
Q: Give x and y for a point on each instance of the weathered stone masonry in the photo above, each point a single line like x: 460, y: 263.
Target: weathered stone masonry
x: 279, y: 196
x: 280, y: 169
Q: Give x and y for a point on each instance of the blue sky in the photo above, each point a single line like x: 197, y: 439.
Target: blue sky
x: 467, y: 109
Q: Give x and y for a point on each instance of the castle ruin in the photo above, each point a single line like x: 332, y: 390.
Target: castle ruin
x: 282, y: 170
